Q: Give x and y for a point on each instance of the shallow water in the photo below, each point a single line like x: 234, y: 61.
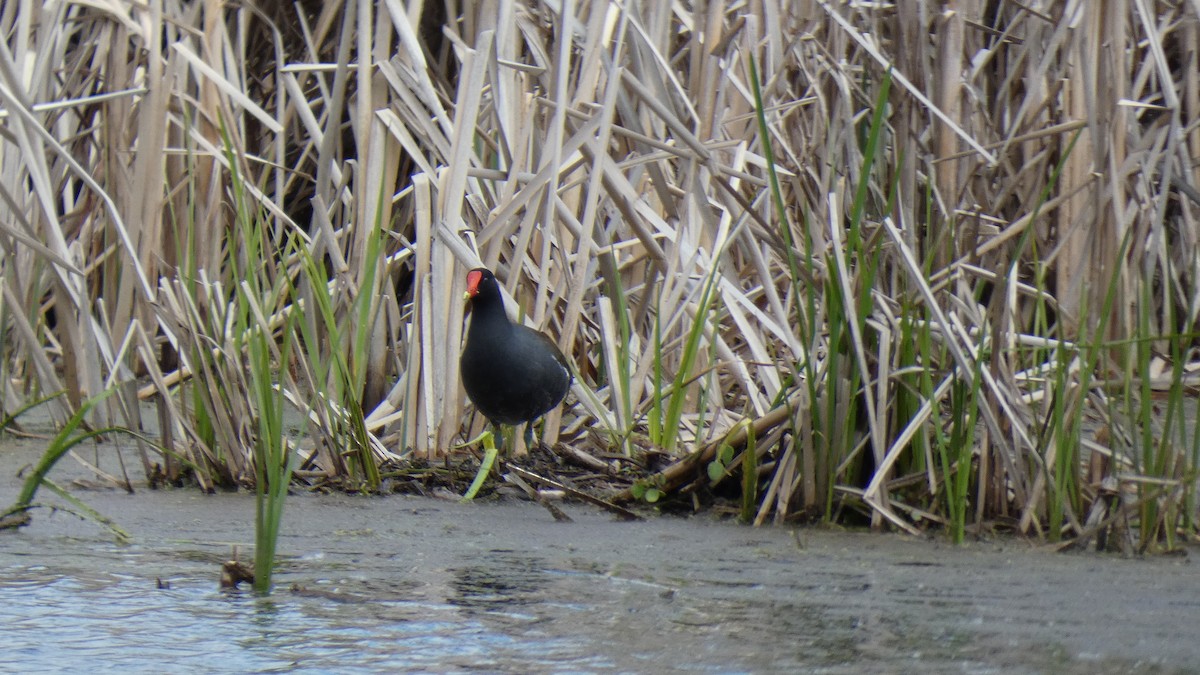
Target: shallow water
x: 501, y: 611
x: 58, y: 622
x: 403, y: 584
x: 761, y: 606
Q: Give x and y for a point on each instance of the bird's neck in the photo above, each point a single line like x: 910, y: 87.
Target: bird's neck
x: 489, y: 317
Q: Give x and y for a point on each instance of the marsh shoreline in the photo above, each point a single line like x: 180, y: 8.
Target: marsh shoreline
x: 693, y: 593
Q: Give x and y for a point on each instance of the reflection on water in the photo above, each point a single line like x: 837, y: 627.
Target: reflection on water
x: 502, y: 580
x: 57, y: 621
x: 498, y: 611
x: 501, y: 611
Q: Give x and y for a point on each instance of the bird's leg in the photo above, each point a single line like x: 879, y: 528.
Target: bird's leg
x: 499, y: 433
x: 529, y: 436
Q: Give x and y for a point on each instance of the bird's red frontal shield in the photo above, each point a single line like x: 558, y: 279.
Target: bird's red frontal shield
x: 473, y: 279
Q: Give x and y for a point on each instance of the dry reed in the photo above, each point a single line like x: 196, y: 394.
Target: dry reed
x: 1030, y: 207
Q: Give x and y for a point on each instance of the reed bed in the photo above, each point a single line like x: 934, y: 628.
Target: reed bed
x: 919, y: 264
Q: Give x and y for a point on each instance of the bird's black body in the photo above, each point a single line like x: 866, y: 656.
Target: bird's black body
x: 512, y: 373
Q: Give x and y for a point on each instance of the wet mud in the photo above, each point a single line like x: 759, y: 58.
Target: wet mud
x: 412, y: 584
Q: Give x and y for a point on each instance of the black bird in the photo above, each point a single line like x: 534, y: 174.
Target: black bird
x: 512, y: 373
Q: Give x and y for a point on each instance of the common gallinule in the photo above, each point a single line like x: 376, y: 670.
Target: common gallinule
x: 512, y: 373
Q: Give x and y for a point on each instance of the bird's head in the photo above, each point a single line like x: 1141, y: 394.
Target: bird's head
x: 480, y: 281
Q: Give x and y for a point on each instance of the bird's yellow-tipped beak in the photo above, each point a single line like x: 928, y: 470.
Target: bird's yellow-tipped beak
x: 466, y: 296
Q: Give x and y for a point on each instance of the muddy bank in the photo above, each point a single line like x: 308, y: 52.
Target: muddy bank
x: 407, y: 583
